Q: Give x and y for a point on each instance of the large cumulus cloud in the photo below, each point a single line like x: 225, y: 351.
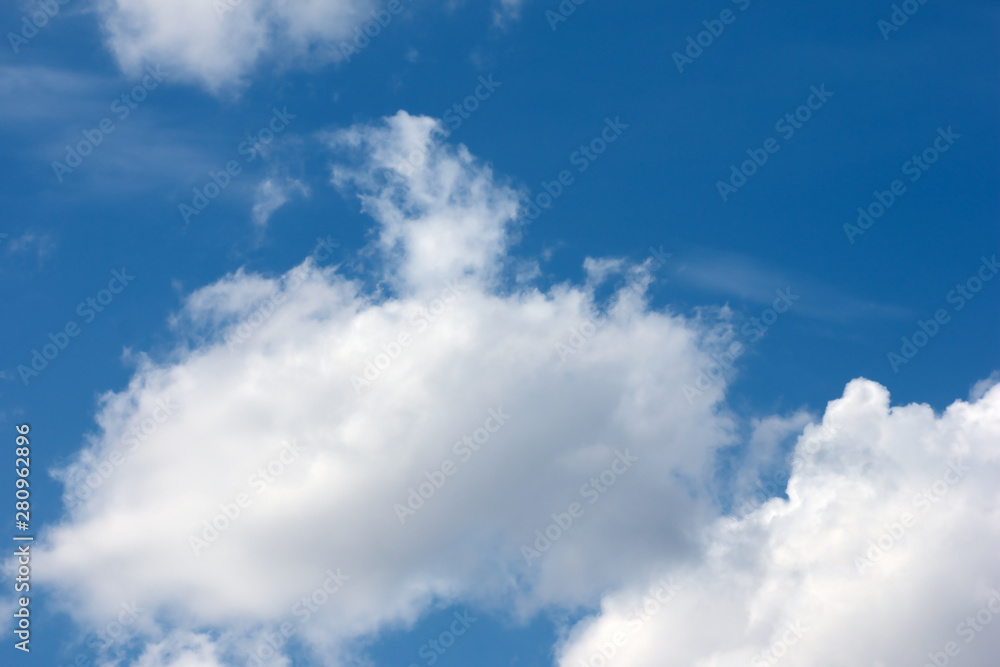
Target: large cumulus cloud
x: 329, y: 411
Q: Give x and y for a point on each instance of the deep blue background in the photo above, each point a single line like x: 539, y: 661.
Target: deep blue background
x: 654, y: 186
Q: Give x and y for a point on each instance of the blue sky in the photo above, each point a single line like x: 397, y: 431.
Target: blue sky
x: 547, y: 89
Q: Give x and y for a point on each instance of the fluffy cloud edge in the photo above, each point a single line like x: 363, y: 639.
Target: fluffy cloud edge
x: 883, y: 554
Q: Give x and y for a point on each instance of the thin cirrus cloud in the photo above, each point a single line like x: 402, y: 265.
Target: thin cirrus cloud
x: 41, y: 93
x: 370, y: 400
x: 60, y: 109
x: 731, y: 274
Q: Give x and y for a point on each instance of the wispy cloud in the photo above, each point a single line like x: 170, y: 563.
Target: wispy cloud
x: 508, y: 11
x: 730, y: 274
x: 41, y: 244
x: 45, y: 94
x: 271, y: 194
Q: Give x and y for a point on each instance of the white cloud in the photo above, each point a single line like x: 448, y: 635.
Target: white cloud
x: 441, y: 213
x: 343, y: 401
x: 181, y: 649
x: 271, y: 194
x: 883, y: 487
x: 217, y: 43
x: 364, y: 446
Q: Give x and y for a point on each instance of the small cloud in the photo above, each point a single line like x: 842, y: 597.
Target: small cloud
x: 598, y: 270
x: 271, y: 194
x: 42, y: 244
x: 526, y: 271
x: 218, y: 44
x: 509, y: 10
x: 412, y: 56
x: 980, y: 388
x: 20, y: 243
